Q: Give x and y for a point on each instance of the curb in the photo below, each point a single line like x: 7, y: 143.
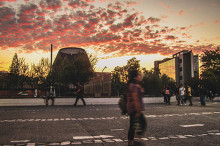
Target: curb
x: 89, y: 101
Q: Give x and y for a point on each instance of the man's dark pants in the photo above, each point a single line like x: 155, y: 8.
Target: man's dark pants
x: 79, y: 97
x: 133, y: 125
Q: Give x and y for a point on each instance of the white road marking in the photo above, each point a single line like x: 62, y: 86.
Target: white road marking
x: 98, y: 141
x: 76, y: 142
x: 164, y: 138
x: 189, y: 135
x: 213, y: 131
x: 105, y: 118
x: 145, y: 139
x: 55, y: 144
x: 181, y: 136
x: 20, y: 141
x: 117, y: 129
x: 30, y: 144
x: 194, y: 125
x: 92, y: 137
x: 109, y: 139
x: 82, y: 137
x: 117, y: 140
x: 87, y: 141
x: 65, y: 143
x: 172, y: 136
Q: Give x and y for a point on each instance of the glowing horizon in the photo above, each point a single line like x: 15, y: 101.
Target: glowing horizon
x: 112, y: 30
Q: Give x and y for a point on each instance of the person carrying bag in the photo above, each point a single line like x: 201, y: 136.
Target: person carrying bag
x: 135, y: 106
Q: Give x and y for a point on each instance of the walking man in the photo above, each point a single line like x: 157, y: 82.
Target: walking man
x: 182, y: 91
x: 168, y: 95
x: 203, y: 94
x: 80, y: 94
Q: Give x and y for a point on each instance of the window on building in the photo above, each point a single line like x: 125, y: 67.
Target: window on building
x: 181, y: 60
x: 181, y: 69
x: 181, y: 78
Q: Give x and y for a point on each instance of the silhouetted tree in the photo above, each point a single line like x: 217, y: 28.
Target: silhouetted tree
x: 93, y: 60
x: 211, y: 69
x: 120, y: 75
x: 39, y: 73
x: 18, y: 72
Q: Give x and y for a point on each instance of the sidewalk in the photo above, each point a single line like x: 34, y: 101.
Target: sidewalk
x: 70, y: 101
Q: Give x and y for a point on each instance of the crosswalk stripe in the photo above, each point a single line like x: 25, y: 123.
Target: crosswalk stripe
x: 193, y: 125
x: 103, y: 118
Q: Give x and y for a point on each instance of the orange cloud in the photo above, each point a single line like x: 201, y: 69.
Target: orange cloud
x: 115, y: 29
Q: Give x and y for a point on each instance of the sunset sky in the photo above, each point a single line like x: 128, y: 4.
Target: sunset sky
x: 112, y: 30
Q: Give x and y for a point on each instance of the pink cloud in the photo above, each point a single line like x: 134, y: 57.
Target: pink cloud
x: 130, y: 3
x: 214, y: 4
x: 163, y: 5
x: 197, y: 25
x: 170, y: 37
x: 50, y: 4
x: 114, y: 29
x: 216, y: 21
x: 181, y: 12
x: 8, y: 0
x: 153, y: 20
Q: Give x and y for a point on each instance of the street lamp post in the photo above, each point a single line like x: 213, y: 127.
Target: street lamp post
x: 102, y: 78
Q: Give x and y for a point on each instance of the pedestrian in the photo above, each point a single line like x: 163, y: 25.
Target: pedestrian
x: 135, y: 106
x: 188, y: 95
x: 80, y: 94
x: 210, y: 95
x: 35, y: 93
x: 50, y: 96
x: 182, y: 91
x: 168, y: 95
x: 164, y: 94
x: 176, y: 92
x: 203, y: 94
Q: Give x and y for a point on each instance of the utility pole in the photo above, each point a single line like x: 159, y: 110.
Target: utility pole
x: 102, y: 78
x: 51, y: 58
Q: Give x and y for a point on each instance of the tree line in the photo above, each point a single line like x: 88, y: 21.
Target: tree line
x: 153, y: 81
x: 39, y: 76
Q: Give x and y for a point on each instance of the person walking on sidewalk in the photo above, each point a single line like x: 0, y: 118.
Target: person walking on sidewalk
x: 135, y: 106
x: 168, y: 94
x: 176, y: 92
x: 188, y: 95
x: 203, y: 94
x: 182, y: 92
x: 80, y: 94
x: 164, y: 94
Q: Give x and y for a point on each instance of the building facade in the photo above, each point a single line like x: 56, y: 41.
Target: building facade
x: 181, y: 67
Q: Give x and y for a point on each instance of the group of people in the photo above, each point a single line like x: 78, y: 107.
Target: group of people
x: 183, y: 94
x: 51, y: 94
x: 135, y: 106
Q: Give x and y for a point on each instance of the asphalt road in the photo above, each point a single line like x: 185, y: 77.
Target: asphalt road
x: 103, y: 125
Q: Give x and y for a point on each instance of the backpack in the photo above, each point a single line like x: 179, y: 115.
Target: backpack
x: 122, y: 103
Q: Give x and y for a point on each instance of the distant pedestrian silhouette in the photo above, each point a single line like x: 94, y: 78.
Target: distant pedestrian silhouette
x: 80, y: 94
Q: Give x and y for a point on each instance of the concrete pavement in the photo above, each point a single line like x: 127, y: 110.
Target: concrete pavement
x: 70, y: 101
